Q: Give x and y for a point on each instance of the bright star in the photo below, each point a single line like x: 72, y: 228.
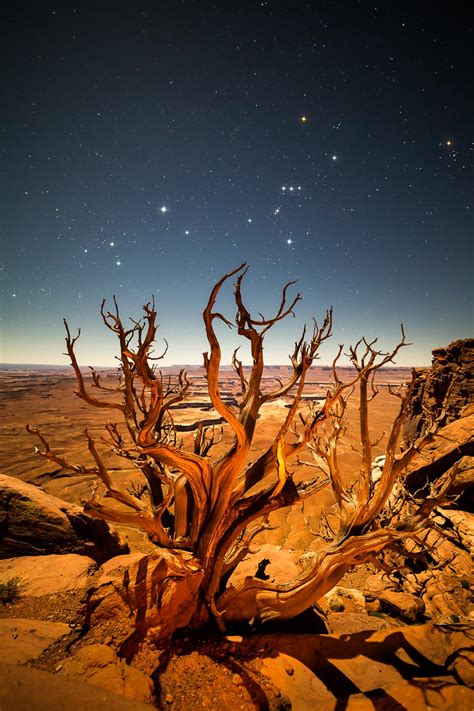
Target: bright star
x: 289, y: 241
x: 118, y: 263
x: 112, y: 244
x: 283, y: 188
x: 249, y: 220
x: 277, y: 211
x: 291, y: 188
x: 303, y: 119
x: 164, y: 209
x: 186, y: 232
x: 334, y: 157
x: 449, y: 143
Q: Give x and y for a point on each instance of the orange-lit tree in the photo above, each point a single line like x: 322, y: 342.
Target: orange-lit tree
x: 214, y: 506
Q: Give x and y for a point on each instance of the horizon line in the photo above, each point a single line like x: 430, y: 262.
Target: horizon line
x: 196, y: 366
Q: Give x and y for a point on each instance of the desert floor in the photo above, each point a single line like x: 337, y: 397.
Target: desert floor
x: 46, y: 399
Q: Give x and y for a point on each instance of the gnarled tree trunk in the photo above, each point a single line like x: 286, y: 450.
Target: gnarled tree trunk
x: 213, y: 507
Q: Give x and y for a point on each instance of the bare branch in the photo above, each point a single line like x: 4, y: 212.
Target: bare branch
x: 82, y: 392
x: 48, y: 453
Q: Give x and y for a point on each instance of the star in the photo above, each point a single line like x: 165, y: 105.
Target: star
x: 249, y: 220
x: 118, y: 263
x: 164, y: 209
x: 289, y: 240
x: 304, y: 119
x: 283, y: 188
x: 276, y: 211
x: 186, y: 232
x: 334, y: 157
x: 449, y: 142
x: 112, y: 244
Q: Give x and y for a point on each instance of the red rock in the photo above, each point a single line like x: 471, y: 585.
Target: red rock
x: 99, y: 665
x: 131, y: 586
x: 36, y: 523
x: 402, y: 604
x: 445, y: 388
x: 23, y: 689
x: 24, y: 639
x: 46, y: 575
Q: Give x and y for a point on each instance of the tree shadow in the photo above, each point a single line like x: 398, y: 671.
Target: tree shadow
x: 417, y: 669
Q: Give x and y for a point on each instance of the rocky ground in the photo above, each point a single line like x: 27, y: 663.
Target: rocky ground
x: 385, y: 664
x: 386, y: 647
x: 68, y: 611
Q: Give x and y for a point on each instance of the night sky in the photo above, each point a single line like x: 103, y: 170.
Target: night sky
x: 148, y: 148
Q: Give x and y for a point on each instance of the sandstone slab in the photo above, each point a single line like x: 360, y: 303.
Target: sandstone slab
x: 24, y: 689
x: 46, y: 575
x: 406, y: 667
x: 99, y: 665
x: 23, y: 639
x: 451, y: 444
x: 35, y: 523
x: 350, y: 622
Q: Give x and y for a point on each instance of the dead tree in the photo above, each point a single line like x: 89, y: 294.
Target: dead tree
x: 215, y: 506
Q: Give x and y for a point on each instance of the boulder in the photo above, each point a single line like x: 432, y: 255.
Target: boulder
x: 460, y: 523
x: 35, y: 523
x: 440, y: 590
x: 99, y: 665
x: 401, y: 604
x: 22, y: 639
x: 47, y: 575
x: 23, y: 688
x: 156, y: 592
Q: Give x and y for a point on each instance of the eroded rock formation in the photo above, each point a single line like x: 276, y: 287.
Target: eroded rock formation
x: 442, y: 390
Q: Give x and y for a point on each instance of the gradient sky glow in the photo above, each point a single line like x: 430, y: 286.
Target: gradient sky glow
x: 149, y: 147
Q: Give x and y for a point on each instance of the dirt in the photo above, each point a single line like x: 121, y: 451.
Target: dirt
x: 66, y: 607
x: 216, y: 673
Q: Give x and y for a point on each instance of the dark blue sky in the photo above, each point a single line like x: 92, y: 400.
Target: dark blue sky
x: 113, y: 113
